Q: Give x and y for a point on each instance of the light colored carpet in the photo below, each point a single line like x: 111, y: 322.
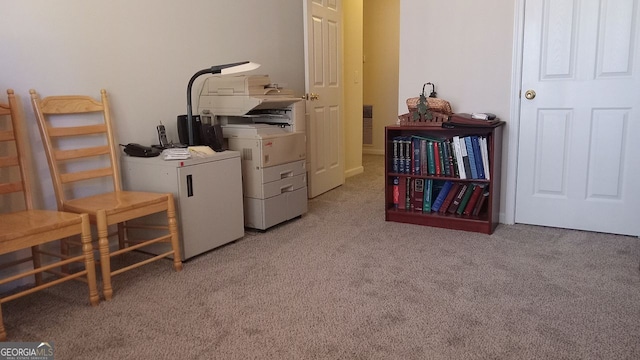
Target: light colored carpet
x: 341, y: 283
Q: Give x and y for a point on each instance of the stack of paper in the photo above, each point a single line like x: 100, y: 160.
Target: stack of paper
x: 201, y: 151
x: 176, y: 154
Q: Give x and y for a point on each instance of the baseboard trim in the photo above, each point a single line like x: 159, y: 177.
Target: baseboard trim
x: 354, y: 171
x: 372, y: 151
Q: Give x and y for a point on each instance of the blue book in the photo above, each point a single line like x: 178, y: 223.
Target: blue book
x: 441, y: 195
x: 478, y: 156
x: 416, y: 156
x: 472, y: 158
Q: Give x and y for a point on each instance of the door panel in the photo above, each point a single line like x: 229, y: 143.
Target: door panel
x: 324, y: 87
x: 578, y: 160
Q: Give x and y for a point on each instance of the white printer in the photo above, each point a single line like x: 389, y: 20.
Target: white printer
x: 265, y: 123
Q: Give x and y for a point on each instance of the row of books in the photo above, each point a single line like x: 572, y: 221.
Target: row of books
x: 440, y: 196
x: 463, y: 157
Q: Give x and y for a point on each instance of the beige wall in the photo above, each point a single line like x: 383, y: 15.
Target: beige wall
x: 352, y: 79
x: 381, y: 54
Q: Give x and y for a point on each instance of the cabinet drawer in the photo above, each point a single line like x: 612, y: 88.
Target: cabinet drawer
x: 255, y: 181
x: 283, y: 171
x: 287, y: 184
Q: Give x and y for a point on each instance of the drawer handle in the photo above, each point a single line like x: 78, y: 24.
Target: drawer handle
x: 286, y: 174
x: 286, y: 188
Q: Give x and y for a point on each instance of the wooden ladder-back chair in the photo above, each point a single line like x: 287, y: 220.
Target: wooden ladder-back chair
x: 113, y: 206
x: 29, y: 228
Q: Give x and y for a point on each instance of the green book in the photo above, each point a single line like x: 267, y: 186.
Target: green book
x: 428, y: 194
x: 465, y: 199
x: 431, y: 159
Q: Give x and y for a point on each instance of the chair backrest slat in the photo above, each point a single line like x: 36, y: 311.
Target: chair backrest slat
x: 13, y: 140
x: 77, y: 130
x: 81, y: 153
x: 70, y: 104
x: 85, y: 175
x: 9, y: 161
x: 77, y: 124
x: 6, y: 135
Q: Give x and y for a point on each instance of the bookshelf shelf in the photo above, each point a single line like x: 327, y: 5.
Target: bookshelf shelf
x: 486, y: 219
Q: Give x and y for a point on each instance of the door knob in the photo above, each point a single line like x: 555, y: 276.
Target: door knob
x: 312, y: 96
x: 530, y: 94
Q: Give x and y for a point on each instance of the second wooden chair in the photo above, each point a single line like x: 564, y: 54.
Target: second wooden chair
x: 79, y: 143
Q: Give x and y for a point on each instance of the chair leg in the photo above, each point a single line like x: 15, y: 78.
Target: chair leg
x: 89, y: 263
x: 103, y: 246
x: 64, y: 250
x: 173, y: 230
x: 35, y: 258
x: 121, y: 235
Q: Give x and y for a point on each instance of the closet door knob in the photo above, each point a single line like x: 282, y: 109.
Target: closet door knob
x: 530, y: 94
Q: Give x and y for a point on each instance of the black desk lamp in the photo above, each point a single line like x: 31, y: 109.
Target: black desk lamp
x: 217, y: 69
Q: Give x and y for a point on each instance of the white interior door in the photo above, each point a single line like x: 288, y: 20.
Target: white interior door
x: 579, y: 156
x: 323, y: 82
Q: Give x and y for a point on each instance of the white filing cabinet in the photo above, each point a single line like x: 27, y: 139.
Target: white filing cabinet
x: 207, y: 193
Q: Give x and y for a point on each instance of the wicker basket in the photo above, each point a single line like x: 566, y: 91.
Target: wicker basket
x: 439, y: 108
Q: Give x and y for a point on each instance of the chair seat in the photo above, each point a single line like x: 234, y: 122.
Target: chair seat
x: 26, y: 228
x: 118, y: 202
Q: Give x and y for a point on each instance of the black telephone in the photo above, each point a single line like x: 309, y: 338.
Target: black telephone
x: 137, y: 150
x: 162, y: 136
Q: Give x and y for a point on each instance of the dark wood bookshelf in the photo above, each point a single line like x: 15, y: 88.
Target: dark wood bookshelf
x: 487, y: 220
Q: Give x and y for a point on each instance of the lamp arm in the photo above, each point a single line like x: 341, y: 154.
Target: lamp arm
x: 189, y: 108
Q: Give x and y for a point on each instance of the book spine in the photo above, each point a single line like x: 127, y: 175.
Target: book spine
x: 481, y: 201
x: 458, y: 153
x: 396, y: 155
x: 400, y: 155
x: 423, y: 157
x: 451, y: 158
x: 407, y: 194
x: 472, y: 159
x: 465, y: 199
x: 478, y: 156
x: 408, y: 155
x: 446, y: 158
x: 396, y: 192
x: 428, y: 193
x: 431, y: 156
x: 457, y: 199
x: 436, y: 155
x: 485, y: 156
x: 450, y: 197
x: 416, y: 156
x: 418, y: 194
x: 441, y: 196
x: 473, y: 199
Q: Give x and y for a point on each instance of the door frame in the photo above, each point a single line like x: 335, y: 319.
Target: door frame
x: 513, y: 127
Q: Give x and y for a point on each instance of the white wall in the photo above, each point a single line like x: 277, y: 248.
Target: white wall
x: 143, y: 52
x: 465, y: 48
x: 462, y: 46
